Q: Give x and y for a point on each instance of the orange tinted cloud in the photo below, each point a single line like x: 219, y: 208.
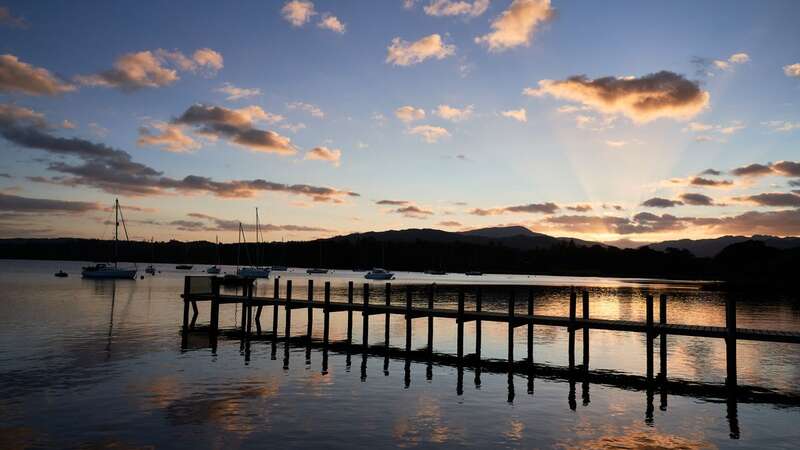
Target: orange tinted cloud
x: 658, y: 95
x: 516, y: 25
x: 20, y: 77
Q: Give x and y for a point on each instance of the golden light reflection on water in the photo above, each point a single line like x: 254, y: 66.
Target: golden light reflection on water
x: 637, y: 437
x: 425, y: 425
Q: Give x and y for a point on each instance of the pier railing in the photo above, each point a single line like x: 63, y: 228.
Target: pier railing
x: 208, y: 289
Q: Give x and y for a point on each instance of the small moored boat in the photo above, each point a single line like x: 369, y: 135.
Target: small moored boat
x: 316, y: 271
x: 106, y: 271
x: 184, y: 267
x: 379, y: 274
x: 61, y: 274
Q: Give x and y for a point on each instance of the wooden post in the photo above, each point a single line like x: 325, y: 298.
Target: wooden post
x: 245, y: 305
x: 585, y: 331
x: 349, y: 313
x: 408, y: 318
x: 186, y: 300
x: 662, y: 348
x: 326, y: 323
x: 460, y: 323
x: 276, y: 300
x: 310, y: 320
x: 649, y: 326
x: 388, y: 319
x: 511, y: 313
x: 431, y: 293
x: 571, y: 330
x: 249, y: 310
x: 288, y: 327
x: 730, y: 340
x: 365, y: 318
x: 478, y: 308
x: 530, y: 326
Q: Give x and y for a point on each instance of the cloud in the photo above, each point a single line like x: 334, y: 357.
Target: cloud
x: 330, y: 22
x: 298, y: 12
x: 152, y: 69
x: 409, y: 114
x: 516, y: 25
x: 13, y: 203
x: 532, y: 208
x: 237, y: 125
x: 658, y: 95
x: 456, y: 8
x: 171, y: 137
x: 413, y: 212
x: 429, y: 133
x: 792, y: 70
x: 313, y: 110
x: 732, y: 127
x: 68, y: 124
x: 112, y: 170
x: 332, y: 155
x: 777, y: 223
x: 454, y: 114
x: 519, y: 115
x: 293, y: 127
x: 781, y: 125
x: 237, y: 93
x: 211, y: 223
x: 9, y: 20
x: 696, y: 199
x: 404, y: 53
x: 707, y: 182
x: 11, y: 114
x: 20, y: 77
x: 711, y: 172
x: 580, y: 208
x: 643, y: 222
x: 786, y: 168
x: 752, y: 170
x: 392, y: 202
x: 727, y: 64
x: 616, y: 144
x: 658, y: 202
x: 450, y: 224
x: 773, y: 199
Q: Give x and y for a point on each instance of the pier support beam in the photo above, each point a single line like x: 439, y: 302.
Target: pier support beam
x: 662, y: 346
x: 350, y: 313
x: 460, y: 324
x: 310, y: 320
x: 585, y: 331
x: 388, y: 319
x: 327, y: 320
x: 649, y: 336
x: 511, y: 313
x: 478, y: 308
x: 431, y: 294
x: 365, y: 318
x: 409, y: 299
x: 530, y: 327
x: 186, y: 300
x: 571, y: 330
x: 288, y: 328
x: 730, y: 341
x: 276, y: 299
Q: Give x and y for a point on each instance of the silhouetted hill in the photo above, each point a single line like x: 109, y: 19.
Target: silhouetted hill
x: 502, y: 232
x: 747, y: 263
x: 712, y: 247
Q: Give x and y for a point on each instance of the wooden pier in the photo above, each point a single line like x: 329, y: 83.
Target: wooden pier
x: 208, y: 289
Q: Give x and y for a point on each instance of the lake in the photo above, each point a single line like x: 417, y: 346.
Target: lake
x: 99, y: 364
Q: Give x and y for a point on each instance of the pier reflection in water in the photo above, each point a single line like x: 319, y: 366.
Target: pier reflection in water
x: 730, y: 391
x: 75, y: 374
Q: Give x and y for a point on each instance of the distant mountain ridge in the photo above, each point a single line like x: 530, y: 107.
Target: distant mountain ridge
x: 708, y: 248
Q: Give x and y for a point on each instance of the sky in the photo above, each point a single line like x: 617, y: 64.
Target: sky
x: 609, y: 121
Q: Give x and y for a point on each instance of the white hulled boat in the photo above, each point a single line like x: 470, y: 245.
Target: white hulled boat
x: 108, y: 271
x: 379, y: 274
x: 251, y: 271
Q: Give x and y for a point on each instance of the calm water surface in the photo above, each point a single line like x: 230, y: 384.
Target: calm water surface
x: 98, y: 364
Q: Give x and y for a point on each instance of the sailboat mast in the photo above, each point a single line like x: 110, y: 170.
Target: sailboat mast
x: 257, y: 258
x: 116, y: 230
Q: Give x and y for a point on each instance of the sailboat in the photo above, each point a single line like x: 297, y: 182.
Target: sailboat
x: 318, y: 270
x: 215, y: 269
x: 150, y: 269
x: 280, y: 268
x: 252, y: 271
x: 378, y: 273
x: 106, y: 271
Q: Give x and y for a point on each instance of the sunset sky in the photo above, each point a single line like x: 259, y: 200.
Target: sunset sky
x: 599, y: 120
